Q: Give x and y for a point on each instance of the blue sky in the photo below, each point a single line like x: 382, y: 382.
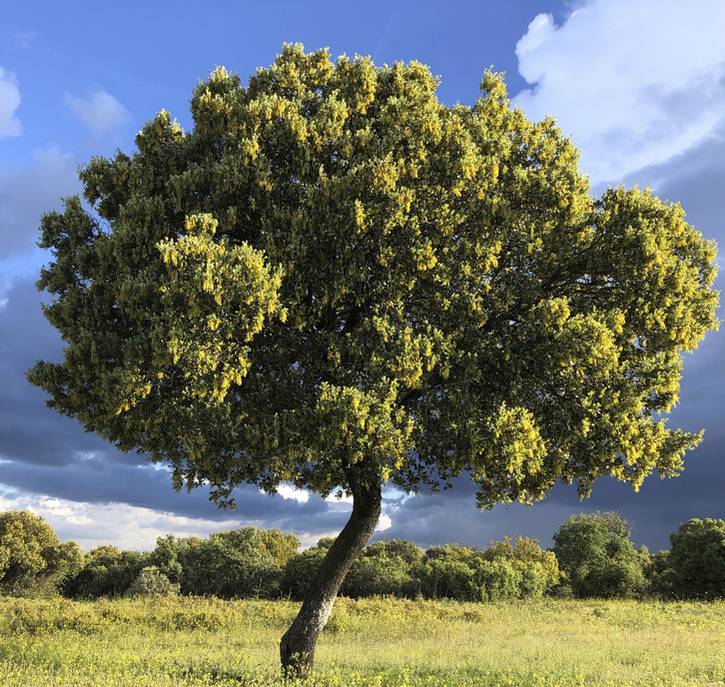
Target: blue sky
x: 640, y: 87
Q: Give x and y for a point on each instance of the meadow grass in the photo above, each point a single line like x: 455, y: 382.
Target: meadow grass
x: 371, y: 642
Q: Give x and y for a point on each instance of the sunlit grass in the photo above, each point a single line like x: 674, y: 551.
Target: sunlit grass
x: 368, y: 642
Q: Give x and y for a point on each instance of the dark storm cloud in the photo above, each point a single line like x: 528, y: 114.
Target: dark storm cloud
x: 656, y: 511
x: 322, y: 522
x: 452, y: 516
x: 29, y: 431
x: 96, y: 480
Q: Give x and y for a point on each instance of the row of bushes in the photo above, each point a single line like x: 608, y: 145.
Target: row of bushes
x: 593, y: 556
x: 505, y: 570
x: 265, y: 564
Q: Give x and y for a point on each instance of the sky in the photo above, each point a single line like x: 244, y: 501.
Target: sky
x: 638, y: 85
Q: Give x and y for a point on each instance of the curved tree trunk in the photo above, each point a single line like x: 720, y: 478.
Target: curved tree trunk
x: 297, y: 648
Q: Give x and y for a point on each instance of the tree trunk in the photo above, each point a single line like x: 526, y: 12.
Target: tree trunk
x: 297, y: 648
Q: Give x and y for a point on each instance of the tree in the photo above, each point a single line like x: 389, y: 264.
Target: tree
x: 237, y: 563
x: 396, y: 548
x: 274, y: 544
x: 167, y: 558
x: 106, y: 572
x: 150, y: 581
x: 658, y: 573
x: 301, y: 571
x: 32, y: 558
x: 448, y: 577
x: 503, y: 571
x: 384, y: 568
x: 695, y: 566
x: 336, y: 280
x: 539, y: 568
x: 597, y: 556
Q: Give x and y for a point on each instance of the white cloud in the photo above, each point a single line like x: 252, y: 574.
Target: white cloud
x: 633, y: 83
x: 385, y: 523
x: 343, y: 498
x: 288, y: 491
x: 9, y: 103
x: 118, y: 524
x: 100, y: 111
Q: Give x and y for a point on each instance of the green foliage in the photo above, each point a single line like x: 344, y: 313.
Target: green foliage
x: 106, y: 572
x: 395, y: 548
x: 152, y: 582
x: 399, y: 568
x: 237, y: 563
x: 213, y: 568
x: 229, y: 292
x: 659, y: 575
x: 335, y: 279
x: 446, y: 578
x: 166, y: 557
x: 597, y: 556
x: 385, y: 568
x: 695, y: 566
x: 274, y: 543
x: 33, y: 561
x: 301, y: 569
x: 505, y: 570
x: 539, y: 569
x: 378, y: 575
x: 595, y: 553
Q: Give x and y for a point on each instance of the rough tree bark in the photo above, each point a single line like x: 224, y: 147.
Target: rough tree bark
x: 297, y: 648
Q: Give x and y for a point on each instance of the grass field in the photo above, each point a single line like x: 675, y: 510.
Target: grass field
x: 369, y: 642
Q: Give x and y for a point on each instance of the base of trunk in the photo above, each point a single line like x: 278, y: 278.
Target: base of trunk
x: 297, y: 648
x: 297, y: 656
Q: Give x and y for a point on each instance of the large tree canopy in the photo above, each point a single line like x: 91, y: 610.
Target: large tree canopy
x: 335, y: 279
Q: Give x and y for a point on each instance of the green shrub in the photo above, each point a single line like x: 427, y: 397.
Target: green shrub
x: 106, y: 572
x: 165, y: 557
x: 300, y: 571
x: 505, y: 570
x: 152, y: 582
x: 695, y: 566
x: 408, y: 551
x: 450, y: 552
x: 496, y: 580
x: 539, y: 569
x: 244, y: 563
x: 378, y: 575
x: 446, y: 578
x: 597, y: 557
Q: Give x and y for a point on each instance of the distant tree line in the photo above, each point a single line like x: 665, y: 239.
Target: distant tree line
x: 593, y: 556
